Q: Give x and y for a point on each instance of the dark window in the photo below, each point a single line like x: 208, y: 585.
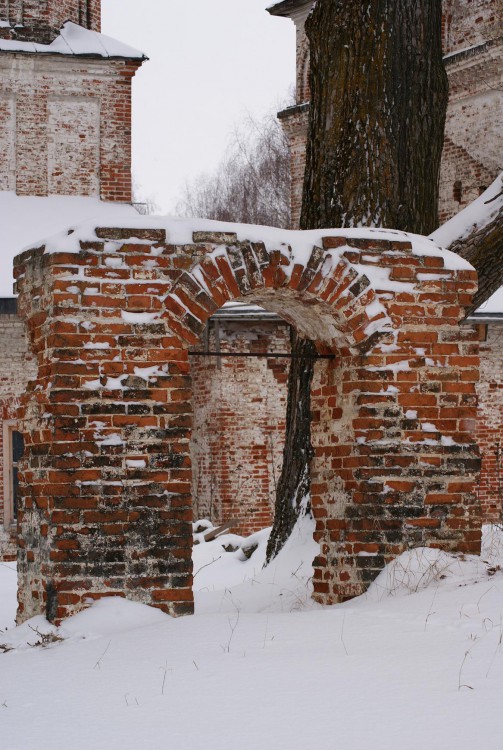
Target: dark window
x: 17, y: 452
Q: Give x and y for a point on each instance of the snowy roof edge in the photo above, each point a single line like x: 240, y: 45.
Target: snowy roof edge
x: 76, y: 41
x: 285, y: 7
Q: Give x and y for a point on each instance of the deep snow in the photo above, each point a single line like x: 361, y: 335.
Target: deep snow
x: 416, y: 663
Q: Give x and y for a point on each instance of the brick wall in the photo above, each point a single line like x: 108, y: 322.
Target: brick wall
x: 73, y: 152
x: 65, y: 126
x: 17, y: 368
x: 7, y: 142
x: 462, y: 180
x: 239, y: 425
x: 470, y: 22
x: 40, y: 20
x: 490, y: 424
x: 295, y: 122
x: 106, y: 478
x: 472, y: 153
x: 17, y: 362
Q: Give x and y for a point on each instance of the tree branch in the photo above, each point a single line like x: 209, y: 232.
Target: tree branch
x: 476, y: 234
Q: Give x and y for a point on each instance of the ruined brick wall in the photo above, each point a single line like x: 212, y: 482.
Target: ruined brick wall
x: 65, y: 126
x: 106, y: 503
x: 18, y: 367
x: 295, y: 123
x: 7, y: 142
x: 239, y: 425
x: 472, y: 154
x: 490, y: 424
x: 462, y: 180
x: 467, y: 23
x: 407, y: 480
x: 302, y: 85
x: 473, y: 43
x: 40, y: 20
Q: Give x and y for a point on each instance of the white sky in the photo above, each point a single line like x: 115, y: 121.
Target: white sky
x: 211, y: 63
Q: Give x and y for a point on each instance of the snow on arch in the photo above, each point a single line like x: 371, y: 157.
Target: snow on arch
x: 317, y: 289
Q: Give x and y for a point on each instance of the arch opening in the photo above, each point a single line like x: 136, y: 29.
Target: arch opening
x: 108, y: 465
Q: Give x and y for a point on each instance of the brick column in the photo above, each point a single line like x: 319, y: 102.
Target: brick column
x: 106, y: 481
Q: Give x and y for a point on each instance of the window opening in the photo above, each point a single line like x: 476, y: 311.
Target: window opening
x: 17, y: 454
x: 13, y: 452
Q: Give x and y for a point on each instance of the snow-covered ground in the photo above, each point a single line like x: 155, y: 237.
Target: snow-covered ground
x: 418, y: 662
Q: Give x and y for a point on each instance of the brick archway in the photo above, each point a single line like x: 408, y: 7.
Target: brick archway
x: 107, y: 505
x: 324, y: 295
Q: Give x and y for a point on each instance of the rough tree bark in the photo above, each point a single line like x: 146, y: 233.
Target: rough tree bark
x: 378, y: 103
x: 292, y: 494
x: 377, y: 115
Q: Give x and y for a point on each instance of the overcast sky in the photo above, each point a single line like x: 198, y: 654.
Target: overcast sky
x: 211, y: 63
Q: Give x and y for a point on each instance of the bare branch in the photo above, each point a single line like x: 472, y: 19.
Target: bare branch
x: 251, y: 184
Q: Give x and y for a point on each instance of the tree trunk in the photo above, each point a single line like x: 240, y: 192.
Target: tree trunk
x: 293, y: 491
x: 378, y: 104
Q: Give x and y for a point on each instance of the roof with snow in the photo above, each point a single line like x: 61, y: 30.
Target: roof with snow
x: 76, y: 41
x: 235, y: 312
x: 28, y: 219
x: 479, y: 213
x: 491, y: 311
x: 286, y: 7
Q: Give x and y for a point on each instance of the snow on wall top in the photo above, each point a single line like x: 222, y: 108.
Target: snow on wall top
x: 296, y: 246
x: 27, y: 218
x: 75, y: 40
x: 179, y: 232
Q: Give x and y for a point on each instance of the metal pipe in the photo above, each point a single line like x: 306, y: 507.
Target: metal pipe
x: 272, y: 355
